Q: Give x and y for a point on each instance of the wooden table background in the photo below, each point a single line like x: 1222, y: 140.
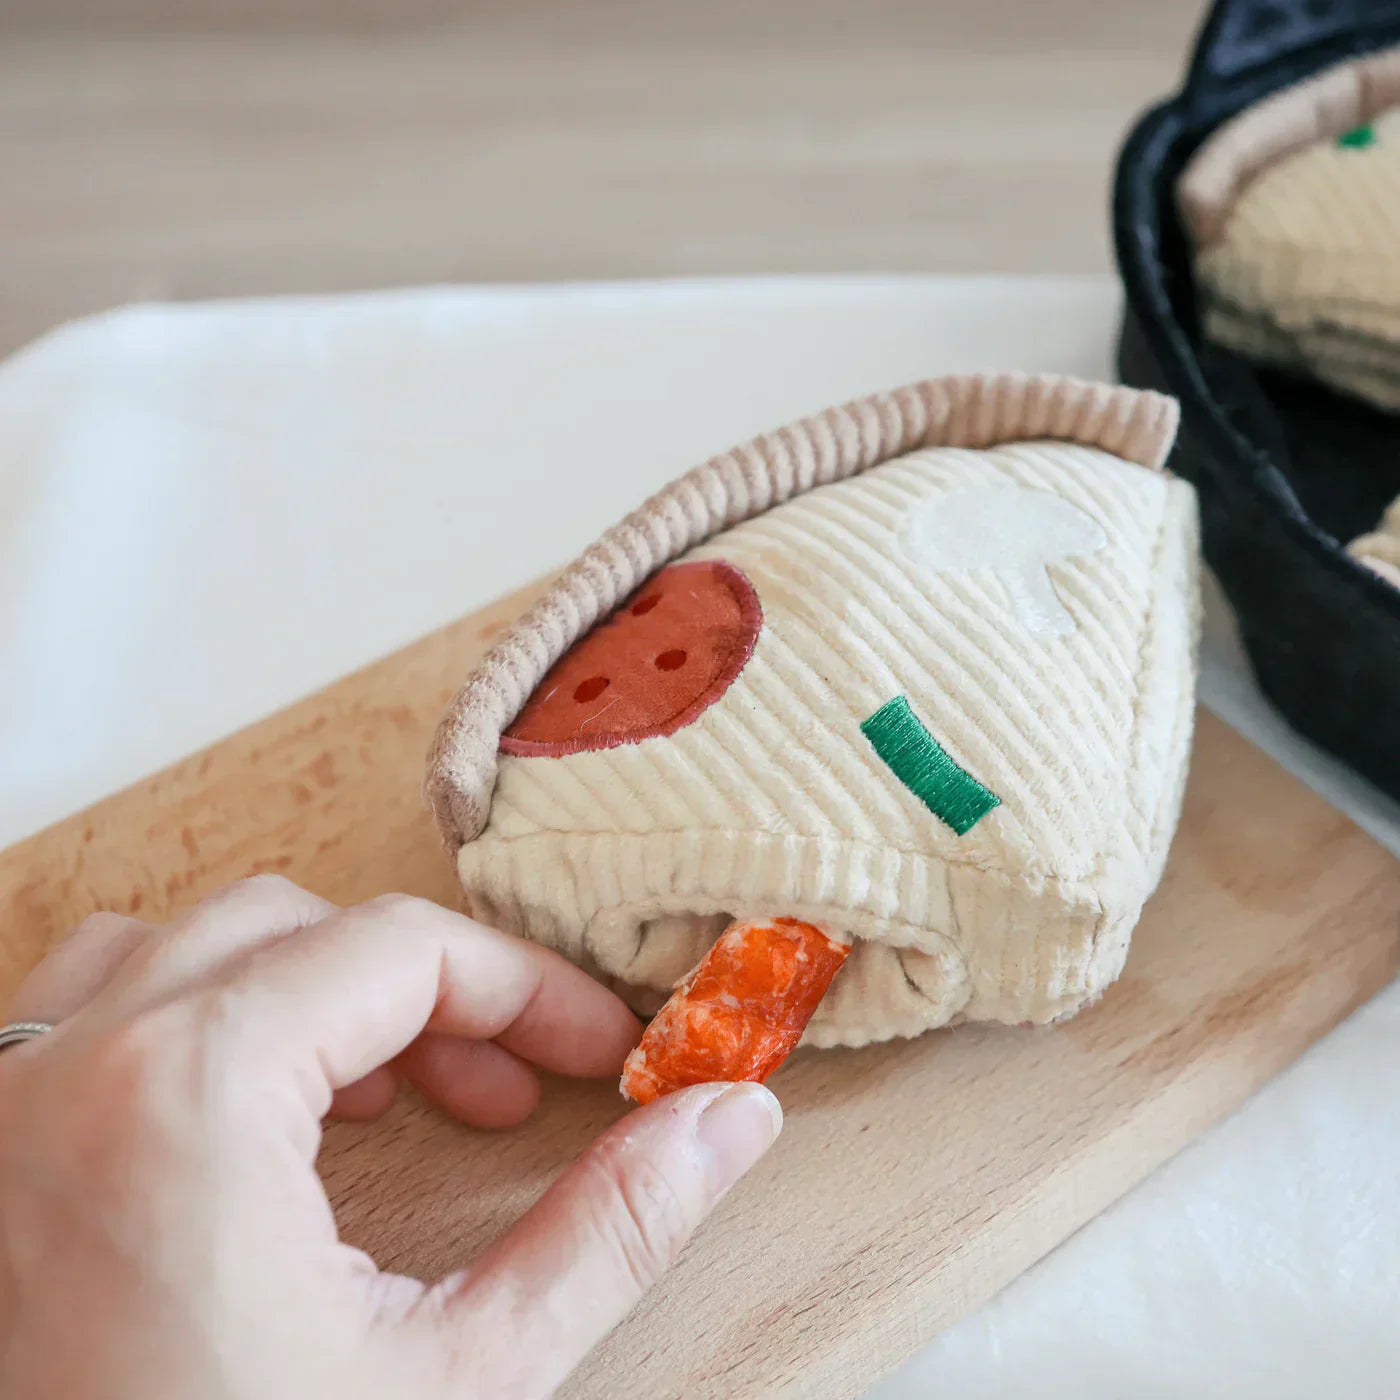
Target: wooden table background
x: 191, y: 148
x: 172, y: 149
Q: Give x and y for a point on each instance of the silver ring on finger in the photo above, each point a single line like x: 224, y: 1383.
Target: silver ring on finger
x: 17, y: 1032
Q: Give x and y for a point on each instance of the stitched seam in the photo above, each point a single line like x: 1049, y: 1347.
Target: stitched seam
x: 1134, y: 763
x: 732, y: 663
x: 972, y: 410
x: 1326, y: 324
x: 1062, y: 882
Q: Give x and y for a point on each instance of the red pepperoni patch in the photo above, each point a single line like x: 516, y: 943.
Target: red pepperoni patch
x: 662, y: 659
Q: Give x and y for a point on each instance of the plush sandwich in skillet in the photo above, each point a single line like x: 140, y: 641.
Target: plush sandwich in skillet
x: 916, y: 674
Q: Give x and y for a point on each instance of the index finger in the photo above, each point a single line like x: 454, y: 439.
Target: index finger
x: 356, y: 989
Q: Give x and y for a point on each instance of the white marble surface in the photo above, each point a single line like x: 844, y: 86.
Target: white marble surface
x: 207, y: 511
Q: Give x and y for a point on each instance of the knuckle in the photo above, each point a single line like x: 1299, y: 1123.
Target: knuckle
x: 395, y: 908
x: 100, y: 926
x: 216, y: 1012
x: 266, y: 887
x: 642, y: 1216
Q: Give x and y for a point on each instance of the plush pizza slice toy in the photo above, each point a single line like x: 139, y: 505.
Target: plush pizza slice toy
x: 1293, y: 208
x: 873, y: 724
x: 1379, y: 550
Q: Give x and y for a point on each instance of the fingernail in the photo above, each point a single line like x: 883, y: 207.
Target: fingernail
x: 734, y: 1130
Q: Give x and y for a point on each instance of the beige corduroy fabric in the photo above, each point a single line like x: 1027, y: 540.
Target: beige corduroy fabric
x: 1296, y: 230
x: 970, y: 410
x: 1073, y: 706
x: 1380, y: 550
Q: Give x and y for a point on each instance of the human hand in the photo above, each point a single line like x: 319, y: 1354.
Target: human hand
x: 163, y: 1232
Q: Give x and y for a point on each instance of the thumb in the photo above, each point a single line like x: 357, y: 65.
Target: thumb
x: 577, y: 1263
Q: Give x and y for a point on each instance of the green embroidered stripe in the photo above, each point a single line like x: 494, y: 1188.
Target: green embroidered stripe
x: 917, y: 759
x: 1358, y: 138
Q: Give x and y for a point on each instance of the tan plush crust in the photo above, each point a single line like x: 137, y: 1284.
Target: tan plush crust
x: 1380, y: 550
x: 1319, y: 109
x: 974, y: 410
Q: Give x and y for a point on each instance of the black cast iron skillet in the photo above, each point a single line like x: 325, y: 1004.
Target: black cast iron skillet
x: 1287, y: 470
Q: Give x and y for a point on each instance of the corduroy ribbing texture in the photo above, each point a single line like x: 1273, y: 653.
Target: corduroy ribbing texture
x: 971, y: 410
x: 1380, y: 550
x: 631, y: 859
x: 1294, y: 207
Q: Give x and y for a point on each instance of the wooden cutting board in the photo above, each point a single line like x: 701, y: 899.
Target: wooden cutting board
x: 913, y: 1180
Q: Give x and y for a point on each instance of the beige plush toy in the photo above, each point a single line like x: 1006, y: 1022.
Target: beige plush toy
x: 1294, y: 211
x: 919, y: 670
x: 1380, y: 550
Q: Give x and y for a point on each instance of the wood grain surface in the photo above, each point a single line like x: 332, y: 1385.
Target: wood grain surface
x: 913, y: 1180
x: 175, y: 149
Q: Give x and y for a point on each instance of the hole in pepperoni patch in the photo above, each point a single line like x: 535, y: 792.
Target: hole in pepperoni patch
x: 646, y: 671
x: 590, y: 689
